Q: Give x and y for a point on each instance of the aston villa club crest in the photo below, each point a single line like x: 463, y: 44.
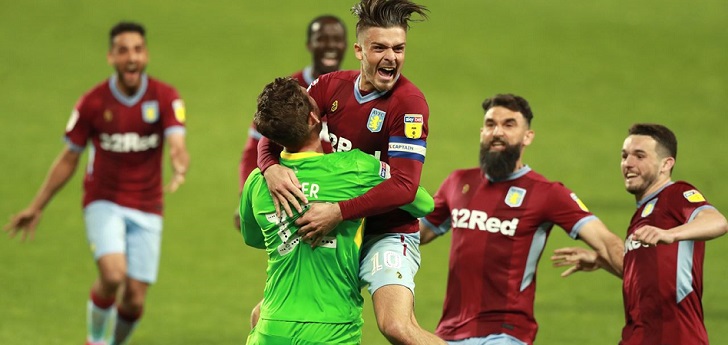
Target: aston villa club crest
x: 334, y: 106
x: 150, y: 111
x: 515, y: 196
x: 413, y: 125
x: 649, y: 208
x: 108, y: 116
x: 376, y: 120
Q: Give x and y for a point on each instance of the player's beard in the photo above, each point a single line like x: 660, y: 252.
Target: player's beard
x: 499, y: 164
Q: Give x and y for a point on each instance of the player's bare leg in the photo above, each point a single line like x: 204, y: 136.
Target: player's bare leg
x: 112, y: 273
x: 130, y: 309
x: 394, y: 310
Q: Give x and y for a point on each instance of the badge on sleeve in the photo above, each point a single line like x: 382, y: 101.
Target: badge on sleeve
x: 376, y: 120
x: 515, y: 196
x: 694, y: 196
x: 579, y: 202
x: 72, y: 120
x: 413, y: 125
x: 150, y: 111
x: 178, y: 106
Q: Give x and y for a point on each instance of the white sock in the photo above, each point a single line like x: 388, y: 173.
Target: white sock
x: 97, y: 320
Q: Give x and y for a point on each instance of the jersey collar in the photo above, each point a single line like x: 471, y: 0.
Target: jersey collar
x: 516, y: 174
x: 307, y: 75
x: 651, y: 196
x: 370, y: 96
x: 299, y: 155
x: 123, y: 98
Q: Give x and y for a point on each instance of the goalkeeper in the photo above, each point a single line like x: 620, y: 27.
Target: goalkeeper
x: 312, y: 293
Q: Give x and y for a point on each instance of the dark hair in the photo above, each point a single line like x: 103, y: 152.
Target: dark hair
x: 122, y: 27
x: 510, y: 102
x: 665, y: 138
x: 386, y: 13
x: 322, y: 19
x: 282, y: 115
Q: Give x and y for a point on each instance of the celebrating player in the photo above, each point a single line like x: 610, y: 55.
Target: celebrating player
x: 311, y: 296
x: 501, y: 215
x: 665, y: 246
x: 126, y: 119
x: 377, y: 110
x: 326, y: 41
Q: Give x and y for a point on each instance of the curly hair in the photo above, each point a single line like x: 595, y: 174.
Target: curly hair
x: 282, y: 115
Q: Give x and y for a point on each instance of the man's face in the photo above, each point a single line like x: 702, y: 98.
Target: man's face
x: 327, y: 46
x: 381, y: 52
x: 640, y: 164
x: 128, y: 55
x: 504, y: 135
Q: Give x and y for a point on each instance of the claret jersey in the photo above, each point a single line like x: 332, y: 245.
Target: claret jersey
x: 499, y: 231
x: 663, y: 285
x: 383, y: 124
x: 127, y: 135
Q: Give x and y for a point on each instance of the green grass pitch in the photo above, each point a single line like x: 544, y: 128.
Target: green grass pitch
x: 589, y: 69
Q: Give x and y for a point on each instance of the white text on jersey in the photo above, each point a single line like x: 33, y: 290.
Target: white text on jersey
x: 128, y: 142
x: 479, y: 220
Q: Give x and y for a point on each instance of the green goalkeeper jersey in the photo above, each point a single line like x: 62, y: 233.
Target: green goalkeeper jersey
x: 319, y: 284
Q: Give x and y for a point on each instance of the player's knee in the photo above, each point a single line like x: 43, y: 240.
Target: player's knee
x: 111, y: 280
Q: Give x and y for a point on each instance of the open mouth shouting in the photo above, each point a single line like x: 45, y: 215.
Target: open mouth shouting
x: 387, y: 73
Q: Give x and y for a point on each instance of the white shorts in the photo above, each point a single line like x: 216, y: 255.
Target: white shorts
x: 390, y: 259
x: 111, y: 228
x: 493, y: 339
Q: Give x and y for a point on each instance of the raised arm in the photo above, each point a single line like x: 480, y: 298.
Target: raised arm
x: 59, y: 173
x: 706, y: 225
x: 608, y: 251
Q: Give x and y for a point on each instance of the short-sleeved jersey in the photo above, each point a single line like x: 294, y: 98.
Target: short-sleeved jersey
x: 321, y: 284
x: 383, y: 124
x: 127, y: 138
x: 663, y: 285
x: 499, y: 230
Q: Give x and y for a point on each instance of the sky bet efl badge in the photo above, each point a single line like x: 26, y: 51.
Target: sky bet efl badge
x: 376, y: 120
x: 579, y: 202
x: 413, y: 125
x: 150, y: 111
x: 179, y: 110
x: 694, y: 196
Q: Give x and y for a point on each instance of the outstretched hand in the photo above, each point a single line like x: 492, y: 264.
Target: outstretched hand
x: 579, y: 259
x: 318, y: 222
x: 25, y: 221
x: 285, y: 189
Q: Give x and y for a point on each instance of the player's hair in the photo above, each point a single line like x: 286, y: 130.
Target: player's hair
x: 665, y: 138
x: 122, y: 27
x: 282, y: 115
x: 510, y: 102
x: 321, y: 19
x: 386, y: 13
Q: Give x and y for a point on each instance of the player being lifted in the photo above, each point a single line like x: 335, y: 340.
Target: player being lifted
x: 379, y: 111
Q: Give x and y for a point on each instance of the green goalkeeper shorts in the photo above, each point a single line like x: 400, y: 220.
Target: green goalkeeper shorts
x: 268, y: 332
